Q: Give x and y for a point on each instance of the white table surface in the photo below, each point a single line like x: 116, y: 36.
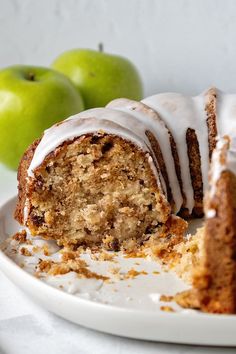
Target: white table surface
x: 27, y: 328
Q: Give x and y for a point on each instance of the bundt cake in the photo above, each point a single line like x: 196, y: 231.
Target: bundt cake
x: 135, y: 171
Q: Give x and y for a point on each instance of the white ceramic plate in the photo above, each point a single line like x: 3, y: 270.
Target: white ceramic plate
x: 129, y: 308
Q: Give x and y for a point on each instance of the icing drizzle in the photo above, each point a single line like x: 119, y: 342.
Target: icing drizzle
x: 223, y: 158
x: 180, y: 112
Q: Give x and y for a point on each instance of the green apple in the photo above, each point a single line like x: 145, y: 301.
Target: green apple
x: 100, y: 77
x: 31, y: 100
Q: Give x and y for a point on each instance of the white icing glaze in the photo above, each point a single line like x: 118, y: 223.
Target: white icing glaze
x: 152, y: 122
x: 223, y: 158
x: 231, y: 156
x: 211, y: 213
x: 180, y: 113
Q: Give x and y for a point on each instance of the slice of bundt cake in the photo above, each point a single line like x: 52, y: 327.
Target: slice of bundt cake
x: 90, y: 180
x: 215, y: 279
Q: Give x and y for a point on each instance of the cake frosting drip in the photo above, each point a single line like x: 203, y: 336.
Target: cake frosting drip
x: 231, y: 156
x: 160, y: 114
x: 223, y: 159
x: 180, y: 112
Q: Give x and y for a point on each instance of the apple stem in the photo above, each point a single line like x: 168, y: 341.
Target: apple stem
x: 31, y: 76
x: 100, y: 47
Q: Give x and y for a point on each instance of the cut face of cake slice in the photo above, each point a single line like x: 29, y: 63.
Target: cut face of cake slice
x: 100, y: 186
x: 215, y: 279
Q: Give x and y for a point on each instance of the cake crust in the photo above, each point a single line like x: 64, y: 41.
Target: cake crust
x: 21, y: 178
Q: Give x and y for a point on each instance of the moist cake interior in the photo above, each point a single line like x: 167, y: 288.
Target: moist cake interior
x: 99, y: 188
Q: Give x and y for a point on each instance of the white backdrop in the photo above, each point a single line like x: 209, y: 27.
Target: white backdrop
x: 178, y: 45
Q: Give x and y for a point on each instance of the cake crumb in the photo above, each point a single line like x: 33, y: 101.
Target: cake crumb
x: 135, y: 254
x: 68, y: 255
x: 20, y: 236
x: 46, y: 250
x: 103, y: 256
x: 78, y: 266
x: 187, y: 299
x: 132, y: 273
x: 114, y: 270
x: 167, y: 309
x: 45, y: 265
x: 166, y: 298
x: 25, y: 252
